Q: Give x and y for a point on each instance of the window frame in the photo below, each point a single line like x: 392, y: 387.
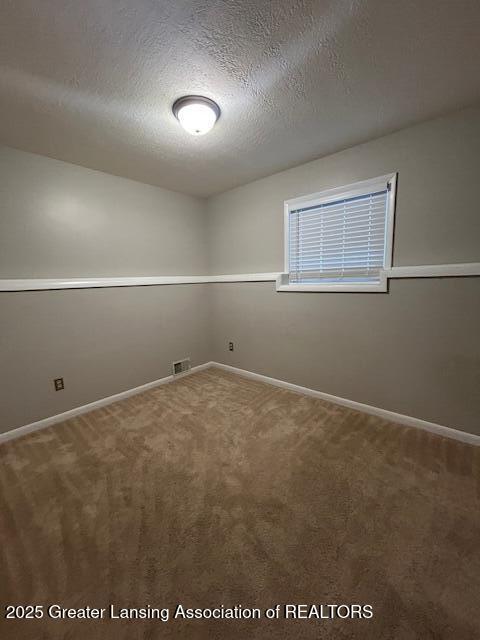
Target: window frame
x: 363, y: 187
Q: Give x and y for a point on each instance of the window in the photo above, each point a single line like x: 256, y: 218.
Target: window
x: 340, y: 239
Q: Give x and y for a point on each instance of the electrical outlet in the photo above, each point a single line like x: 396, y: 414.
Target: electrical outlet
x: 230, y: 346
x: 58, y: 383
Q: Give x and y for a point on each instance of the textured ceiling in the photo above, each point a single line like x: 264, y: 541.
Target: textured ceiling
x: 92, y: 81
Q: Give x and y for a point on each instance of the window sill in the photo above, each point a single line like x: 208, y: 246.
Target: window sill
x: 381, y: 286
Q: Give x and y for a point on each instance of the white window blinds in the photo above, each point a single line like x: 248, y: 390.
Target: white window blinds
x: 342, y: 240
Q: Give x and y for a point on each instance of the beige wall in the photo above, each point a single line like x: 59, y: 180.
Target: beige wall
x: 60, y: 220
x: 415, y: 350
x: 102, y: 341
x: 437, y: 217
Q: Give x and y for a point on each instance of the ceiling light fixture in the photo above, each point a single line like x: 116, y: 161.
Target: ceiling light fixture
x: 196, y: 114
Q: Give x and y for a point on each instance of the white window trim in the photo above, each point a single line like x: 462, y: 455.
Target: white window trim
x: 327, y: 195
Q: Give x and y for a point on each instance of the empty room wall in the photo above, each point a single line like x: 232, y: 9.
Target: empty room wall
x: 59, y: 220
x: 414, y: 350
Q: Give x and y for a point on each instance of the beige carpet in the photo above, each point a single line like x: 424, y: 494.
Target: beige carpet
x: 217, y: 490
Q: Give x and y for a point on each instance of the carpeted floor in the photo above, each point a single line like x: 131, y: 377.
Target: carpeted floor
x: 217, y: 490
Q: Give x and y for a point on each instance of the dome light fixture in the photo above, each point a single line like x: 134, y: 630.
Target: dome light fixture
x: 196, y: 114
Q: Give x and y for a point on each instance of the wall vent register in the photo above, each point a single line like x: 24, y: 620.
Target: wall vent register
x: 181, y: 366
x: 341, y: 239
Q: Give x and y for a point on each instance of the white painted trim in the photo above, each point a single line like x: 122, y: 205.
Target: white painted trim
x: 436, y: 270
x: 455, y: 270
x: 390, y: 220
x: 246, y: 277
x: 77, y: 411
x: 286, y: 237
x: 346, y: 191
x: 37, y: 284
x: 282, y: 284
x: 420, y: 271
x: 41, y: 284
x: 391, y: 416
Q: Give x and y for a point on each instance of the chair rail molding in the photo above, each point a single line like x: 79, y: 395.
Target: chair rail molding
x: 453, y: 270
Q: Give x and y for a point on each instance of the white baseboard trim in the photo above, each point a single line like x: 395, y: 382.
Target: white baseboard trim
x: 77, y: 411
x: 391, y: 416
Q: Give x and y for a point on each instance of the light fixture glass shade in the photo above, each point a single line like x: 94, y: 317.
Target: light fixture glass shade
x: 196, y: 114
